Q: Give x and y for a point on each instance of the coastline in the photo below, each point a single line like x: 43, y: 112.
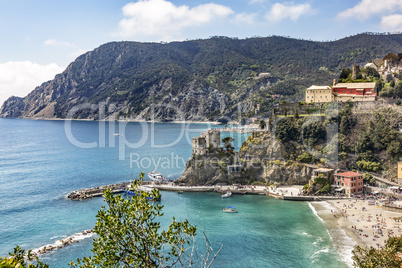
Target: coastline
x: 343, y: 240
x: 120, y: 120
x: 353, y: 222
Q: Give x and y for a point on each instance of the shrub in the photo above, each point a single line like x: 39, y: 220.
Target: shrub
x: 368, y: 165
x: 325, y: 189
x: 305, y: 158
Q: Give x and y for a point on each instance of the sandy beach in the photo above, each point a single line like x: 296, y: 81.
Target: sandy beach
x: 347, y: 219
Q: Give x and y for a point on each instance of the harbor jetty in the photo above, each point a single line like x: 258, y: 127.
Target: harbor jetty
x: 291, y: 193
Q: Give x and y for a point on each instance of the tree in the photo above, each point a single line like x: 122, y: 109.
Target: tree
x: 345, y: 73
x: 263, y: 124
x: 228, y: 143
x: 17, y: 260
x: 305, y: 158
x: 286, y: 130
x: 130, y: 236
x: 370, y: 71
x: 385, y: 257
x: 394, y: 150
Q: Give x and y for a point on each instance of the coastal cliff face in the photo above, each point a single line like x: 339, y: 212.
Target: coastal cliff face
x: 207, y: 169
x: 262, y: 159
x: 193, y: 80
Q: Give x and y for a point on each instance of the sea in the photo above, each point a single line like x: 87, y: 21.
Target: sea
x: 42, y: 161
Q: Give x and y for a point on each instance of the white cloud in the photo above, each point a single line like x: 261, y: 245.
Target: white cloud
x: 366, y: 8
x: 245, y: 18
x: 162, y: 19
x: 57, y: 43
x: 392, y: 22
x: 20, y: 78
x: 280, y: 11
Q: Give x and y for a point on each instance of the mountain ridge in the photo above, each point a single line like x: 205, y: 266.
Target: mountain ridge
x: 194, y: 80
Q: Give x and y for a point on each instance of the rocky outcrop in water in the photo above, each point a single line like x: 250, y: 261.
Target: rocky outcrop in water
x: 262, y: 159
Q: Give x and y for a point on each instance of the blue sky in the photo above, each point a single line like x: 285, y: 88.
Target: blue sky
x: 40, y: 38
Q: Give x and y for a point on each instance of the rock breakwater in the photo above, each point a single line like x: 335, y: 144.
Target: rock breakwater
x: 75, y: 238
x: 97, y: 191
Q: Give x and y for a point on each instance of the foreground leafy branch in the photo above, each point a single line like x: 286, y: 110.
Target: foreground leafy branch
x: 388, y: 256
x: 18, y: 259
x: 130, y: 236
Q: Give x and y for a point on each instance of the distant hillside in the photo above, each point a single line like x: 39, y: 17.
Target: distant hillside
x: 195, y: 80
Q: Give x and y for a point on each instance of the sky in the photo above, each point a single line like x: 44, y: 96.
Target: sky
x: 40, y: 38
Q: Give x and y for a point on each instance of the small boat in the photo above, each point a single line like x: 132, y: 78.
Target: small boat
x: 155, y: 176
x: 227, y: 194
x: 230, y: 210
x: 139, y: 190
x: 180, y: 192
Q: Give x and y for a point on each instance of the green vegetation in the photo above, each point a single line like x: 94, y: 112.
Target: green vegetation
x: 368, y: 166
x: 16, y: 259
x: 369, y: 136
x: 324, y: 182
x: 368, y: 178
x: 367, y: 74
x: 391, y: 90
x: 305, y: 158
x: 228, y: 143
x: 130, y: 236
x: 385, y: 257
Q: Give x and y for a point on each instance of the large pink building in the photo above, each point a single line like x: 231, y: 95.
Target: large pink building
x: 355, y: 91
x: 350, y: 182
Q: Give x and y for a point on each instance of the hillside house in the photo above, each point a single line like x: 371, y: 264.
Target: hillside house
x: 319, y: 94
x: 355, y: 92
x: 326, y: 172
x: 400, y: 172
x: 199, y: 145
x: 349, y: 182
x: 234, y: 170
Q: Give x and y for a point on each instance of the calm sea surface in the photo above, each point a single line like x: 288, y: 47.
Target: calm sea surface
x: 42, y: 161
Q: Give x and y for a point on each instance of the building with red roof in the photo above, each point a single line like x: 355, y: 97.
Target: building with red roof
x: 355, y: 91
x: 349, y: 182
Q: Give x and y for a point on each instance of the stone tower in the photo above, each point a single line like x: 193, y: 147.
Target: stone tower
x: 212, y: 137
x: 355, y: 71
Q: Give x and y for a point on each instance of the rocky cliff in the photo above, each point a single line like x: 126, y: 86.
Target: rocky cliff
x: 261, y: 158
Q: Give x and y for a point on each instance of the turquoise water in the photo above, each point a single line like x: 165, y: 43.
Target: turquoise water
x: 42, y: 161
